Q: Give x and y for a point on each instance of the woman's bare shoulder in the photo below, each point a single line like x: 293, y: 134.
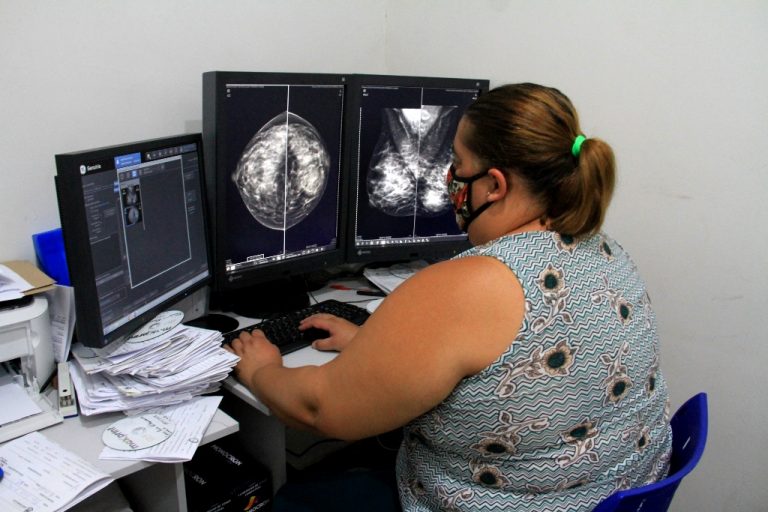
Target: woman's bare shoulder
x: 473, y: 304
x: 471, y: 274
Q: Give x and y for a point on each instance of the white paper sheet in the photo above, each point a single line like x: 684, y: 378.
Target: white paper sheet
x: 16, y: 402
x: 42, y: 476
x: 389, y: 278
x: 12, y: 285
x: 61, y: 309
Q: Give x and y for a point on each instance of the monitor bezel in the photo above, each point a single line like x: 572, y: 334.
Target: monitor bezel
x: 430, y: 251
x: 287, y: 269
x: 69, y: 191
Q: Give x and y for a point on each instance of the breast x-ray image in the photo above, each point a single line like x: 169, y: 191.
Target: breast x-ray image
x: 405, y: 137
x: 283, y: 171
x: 280, y: 167
x: 406, y: 174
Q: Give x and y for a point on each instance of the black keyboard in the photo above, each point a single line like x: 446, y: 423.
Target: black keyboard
x: 283, y: 330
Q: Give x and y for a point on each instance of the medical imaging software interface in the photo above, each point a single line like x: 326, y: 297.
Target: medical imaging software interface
x: 404, y: 151
x: 146, y: 229
x: 282, y: 148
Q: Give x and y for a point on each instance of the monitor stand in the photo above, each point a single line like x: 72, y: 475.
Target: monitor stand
x: 266, y: 299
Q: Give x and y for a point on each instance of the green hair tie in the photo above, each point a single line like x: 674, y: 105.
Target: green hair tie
x: 577, y: 142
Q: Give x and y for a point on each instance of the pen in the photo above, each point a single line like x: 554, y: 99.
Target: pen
x: 371, y: 293
x: 1, y: 473
x: 360, y: 291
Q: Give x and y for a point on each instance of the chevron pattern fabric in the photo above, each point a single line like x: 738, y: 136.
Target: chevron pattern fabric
x: 575, y: 409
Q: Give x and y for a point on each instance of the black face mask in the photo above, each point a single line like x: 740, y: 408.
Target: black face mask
x: 460, y: 192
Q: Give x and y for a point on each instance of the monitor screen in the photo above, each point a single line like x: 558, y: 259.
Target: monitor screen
x: 402, y: 130
x: 133, y: 219
x: 275, y: 159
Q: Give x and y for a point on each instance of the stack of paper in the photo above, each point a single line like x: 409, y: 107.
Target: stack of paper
x: 389, y: 278
x: 168, y: 369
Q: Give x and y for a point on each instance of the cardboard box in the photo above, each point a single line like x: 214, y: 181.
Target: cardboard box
x: 221, y: 477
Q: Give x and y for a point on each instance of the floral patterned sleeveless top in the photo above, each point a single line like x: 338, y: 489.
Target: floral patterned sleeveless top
x: 575, y: 409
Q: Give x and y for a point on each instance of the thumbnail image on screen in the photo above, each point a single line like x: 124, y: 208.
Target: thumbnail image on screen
x: 404, y: 151
x: 281, y: 150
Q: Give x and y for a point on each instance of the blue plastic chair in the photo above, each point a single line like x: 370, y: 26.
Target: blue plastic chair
x: 689, y: 435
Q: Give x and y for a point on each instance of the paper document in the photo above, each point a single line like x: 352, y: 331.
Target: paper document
x: 61, y: 309
x: 42, y: 476
x: 16, y: 402
x: 190, y: 421
x: 389, y: 278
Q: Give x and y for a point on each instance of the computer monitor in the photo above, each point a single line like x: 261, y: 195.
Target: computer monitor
x: 401, y: 130
x: 134, y: 225
x: 275, y: 156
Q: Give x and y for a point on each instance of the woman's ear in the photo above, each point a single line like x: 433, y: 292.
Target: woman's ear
x: 500, y: 184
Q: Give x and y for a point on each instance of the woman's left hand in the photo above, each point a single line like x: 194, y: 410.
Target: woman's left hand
x: 255, y: 352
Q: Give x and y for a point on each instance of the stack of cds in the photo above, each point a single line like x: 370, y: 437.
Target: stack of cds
x: 162, y: 364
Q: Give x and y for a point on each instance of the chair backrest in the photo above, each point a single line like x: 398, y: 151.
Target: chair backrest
x: 689, y: 435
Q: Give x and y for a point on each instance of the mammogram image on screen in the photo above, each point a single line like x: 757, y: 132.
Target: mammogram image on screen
x: 283, y: 171
x: 406, y: 175
x: 131, y: 197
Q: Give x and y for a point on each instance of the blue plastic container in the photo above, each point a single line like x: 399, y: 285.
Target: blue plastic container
x: 51, y: 258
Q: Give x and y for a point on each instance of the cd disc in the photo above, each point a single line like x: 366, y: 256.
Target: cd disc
x: 138, y: 432
x: 161, y: 324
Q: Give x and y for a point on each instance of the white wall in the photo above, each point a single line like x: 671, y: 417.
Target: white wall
x: 80, y: 74
x: 680, y: 89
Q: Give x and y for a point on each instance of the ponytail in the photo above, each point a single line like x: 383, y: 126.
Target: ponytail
x: 578, y: 204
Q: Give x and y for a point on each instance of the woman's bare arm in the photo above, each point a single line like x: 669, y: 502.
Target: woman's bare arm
x: 447, y: 322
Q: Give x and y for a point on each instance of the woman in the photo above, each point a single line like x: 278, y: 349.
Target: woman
x: 526, y: 370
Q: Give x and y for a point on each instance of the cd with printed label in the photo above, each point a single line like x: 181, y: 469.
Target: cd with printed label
x: 161, y: 324
x: 138, y: 432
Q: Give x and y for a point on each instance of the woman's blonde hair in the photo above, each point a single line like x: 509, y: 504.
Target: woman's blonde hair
x: 529, y: 130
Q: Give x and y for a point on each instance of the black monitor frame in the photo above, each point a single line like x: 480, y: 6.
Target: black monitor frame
x: 404, y: 250
x: 268, y: 280
x: 72, y: 168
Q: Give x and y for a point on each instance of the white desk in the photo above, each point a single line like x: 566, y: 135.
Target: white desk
x: 149, y: 486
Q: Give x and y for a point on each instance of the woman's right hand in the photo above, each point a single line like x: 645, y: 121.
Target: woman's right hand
x: 340, y: 331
